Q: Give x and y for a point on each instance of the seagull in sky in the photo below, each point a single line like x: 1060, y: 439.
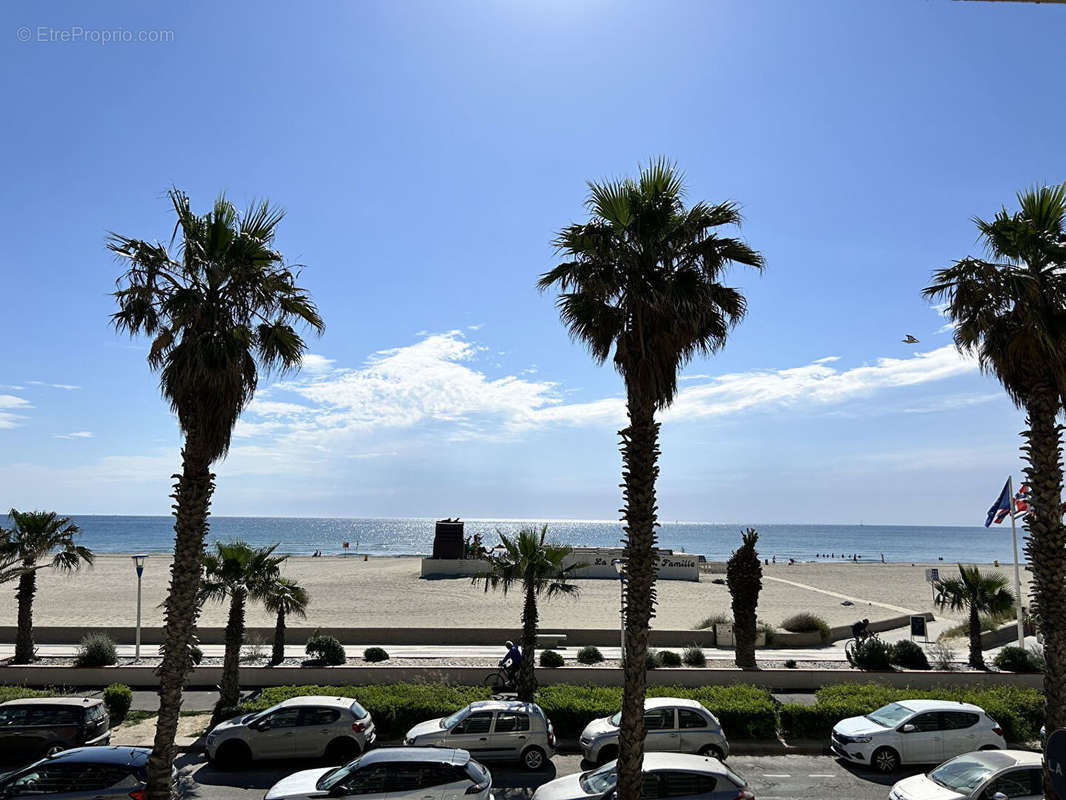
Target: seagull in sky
x: 908, y: 339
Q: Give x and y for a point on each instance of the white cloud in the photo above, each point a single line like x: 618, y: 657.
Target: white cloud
x: 8, y: 405
x: 316, y: 364
x: 65, y: 386
x: 75, y: 435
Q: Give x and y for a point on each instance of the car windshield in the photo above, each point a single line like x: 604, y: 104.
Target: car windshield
x: 336, y: 776
x: 616, y: 720
x: 258, y: 715
x: 599, y: 780
x: 450, y: 722
x: 962, y: 774
x: 889, y: 716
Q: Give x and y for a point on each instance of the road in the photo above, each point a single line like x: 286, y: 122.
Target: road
x: 771, y: 778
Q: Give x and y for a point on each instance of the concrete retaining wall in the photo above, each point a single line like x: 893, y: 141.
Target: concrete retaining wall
x: 258, y: 677
x: 597, y: 561
x: 1004, y: 634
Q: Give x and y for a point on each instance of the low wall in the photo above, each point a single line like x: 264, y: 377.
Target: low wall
x: 597, y: 561
x: 1005, y: 634
x: 260, y: 677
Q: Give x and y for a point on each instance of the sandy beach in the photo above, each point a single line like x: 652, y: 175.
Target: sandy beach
x: 382, y: 592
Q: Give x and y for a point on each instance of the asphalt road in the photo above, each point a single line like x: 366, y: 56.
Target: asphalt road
x: 771, y: 778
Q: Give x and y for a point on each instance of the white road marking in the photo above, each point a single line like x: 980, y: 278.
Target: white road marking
x: 821, y: 775
x: 770, y: 775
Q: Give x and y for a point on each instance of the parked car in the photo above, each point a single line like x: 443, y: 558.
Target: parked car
x: 496, y: 730
x: 915, y: 732
x: 665, y: 775
x: 336, y: 728
x: 422, y: 773
x: 84, y: 773
x: 672, y: 724
x: 43, y: 726
x: 985, y: 775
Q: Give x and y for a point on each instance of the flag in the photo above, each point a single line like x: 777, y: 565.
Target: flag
x: 1021, y: 500
x: 999, y: 510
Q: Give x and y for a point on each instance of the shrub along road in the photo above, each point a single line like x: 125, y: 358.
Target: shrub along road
x: 771, y: 777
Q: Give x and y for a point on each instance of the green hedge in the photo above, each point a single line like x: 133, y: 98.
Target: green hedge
x: 19, y: 692
x: 1018, y: 710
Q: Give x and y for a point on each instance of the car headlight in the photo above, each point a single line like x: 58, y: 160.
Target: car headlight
x: 861, y: 739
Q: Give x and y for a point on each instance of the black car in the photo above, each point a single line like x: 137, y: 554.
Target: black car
x: 84, y: 773
x: 43, y: 726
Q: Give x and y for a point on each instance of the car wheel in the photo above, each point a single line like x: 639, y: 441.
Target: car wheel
x: 885, y: 760
x: 54, y: 750
x: 712, y: 751
x: 341, y: 751
x: 533, y: 758
x: 608, y: 753
x: 233, y: 755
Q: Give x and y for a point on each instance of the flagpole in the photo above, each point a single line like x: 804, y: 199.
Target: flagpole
x: 1017, y: 574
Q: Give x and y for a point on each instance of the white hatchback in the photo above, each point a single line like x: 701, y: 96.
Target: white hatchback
x: 915, y: 732
x: 398, y: 773
x: 990, y: 775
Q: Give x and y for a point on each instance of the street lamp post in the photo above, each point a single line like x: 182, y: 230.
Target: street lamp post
x: 619, y: 567
x: 138, y: 562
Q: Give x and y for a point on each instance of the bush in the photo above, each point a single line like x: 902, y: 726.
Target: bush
x: 871, y: 654
x: 790, y: 663
x: 196, y: 653
x: 694, y: 657
x: 326, y: 649
x: 942, y: 655
x: 909, y: 655
x: 651, y: 660
x: 589, y: 655
x: 767, y: 630
x: 550, y: 659
x: 1017, y: 659
x: 807, y: 623
x: 668, y: 658
x: 96, y: 650
x: 21, y: 692
x: 714, y: 619
x: 375, y: 654
x: 117, y: 699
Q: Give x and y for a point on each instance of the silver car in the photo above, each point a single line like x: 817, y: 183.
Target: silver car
x: 675, y: 775
x: 84, y: 773
x: 672, y: 724
x: 337, y: 728
x: 492, y: 730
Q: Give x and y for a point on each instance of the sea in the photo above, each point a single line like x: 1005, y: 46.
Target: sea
x: 394, y: 537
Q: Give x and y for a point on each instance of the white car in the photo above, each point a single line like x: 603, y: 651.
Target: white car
x: 400, y: 773
x: 988, y: 775
x: 665, y: 775
x: 915, y: 732
x: 671, y: 724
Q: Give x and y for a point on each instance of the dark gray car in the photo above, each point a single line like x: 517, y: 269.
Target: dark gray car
x: 84, y: 773
x: 43, y: 726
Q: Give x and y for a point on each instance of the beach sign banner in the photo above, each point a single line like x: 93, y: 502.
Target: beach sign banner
x: 1055, y: 756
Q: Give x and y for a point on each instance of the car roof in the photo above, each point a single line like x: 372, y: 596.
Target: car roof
x: 660, y: 702
x: 126, y: 756
x: 660, y: 761
x: 1005, y: 759
x: 318, y: 700
x: 939, y: 705
x: 505, y: 705
x: 446, y: 755
x: 54, y: 701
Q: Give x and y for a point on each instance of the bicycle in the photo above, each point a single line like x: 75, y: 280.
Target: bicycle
x: 499, y: 681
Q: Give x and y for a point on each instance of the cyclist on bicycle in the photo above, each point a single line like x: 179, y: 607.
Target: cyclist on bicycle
x: 861, y: 630
x: 512, y: 661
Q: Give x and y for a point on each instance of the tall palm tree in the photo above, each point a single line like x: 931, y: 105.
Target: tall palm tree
x: 238, y: 572
x: 744, y: 576
x: 537, y: 567
x: 977, y: 594
x: 642, y: 280
x: 219, y: 310
x: 1009, y: 310
x: 38, y: 536
x: 285, y: 598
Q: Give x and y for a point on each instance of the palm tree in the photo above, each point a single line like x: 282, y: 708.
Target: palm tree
x: 642, y: 279
x: 537, y: 565
x: 38, y: 536
x: 1010, y: 311
x: 219, y: 311
x: 285, y: 598
x: 744, y: 576
x: 238, y: 572
x: 978, y: 594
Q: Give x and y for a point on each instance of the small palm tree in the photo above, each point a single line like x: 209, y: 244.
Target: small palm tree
x: 537, y: 567
x: 285, y: 598
x: 977, y: 593
x: 38, y: 536
x: 238, y: 572
x: 744, y: 576
x: 220, y: 311
x: 642, y: 281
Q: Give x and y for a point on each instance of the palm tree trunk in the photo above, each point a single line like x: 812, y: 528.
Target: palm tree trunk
x: 640, y: 452
x: 278, y: 654
x: 1046, y: 551
x: 24, y: 637
x: 977, y: 659
x: 527, y: 679
x: 192, y: 500
x: 230, y: 689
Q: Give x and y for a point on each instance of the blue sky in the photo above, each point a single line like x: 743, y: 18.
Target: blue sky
x: 427, y: 151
